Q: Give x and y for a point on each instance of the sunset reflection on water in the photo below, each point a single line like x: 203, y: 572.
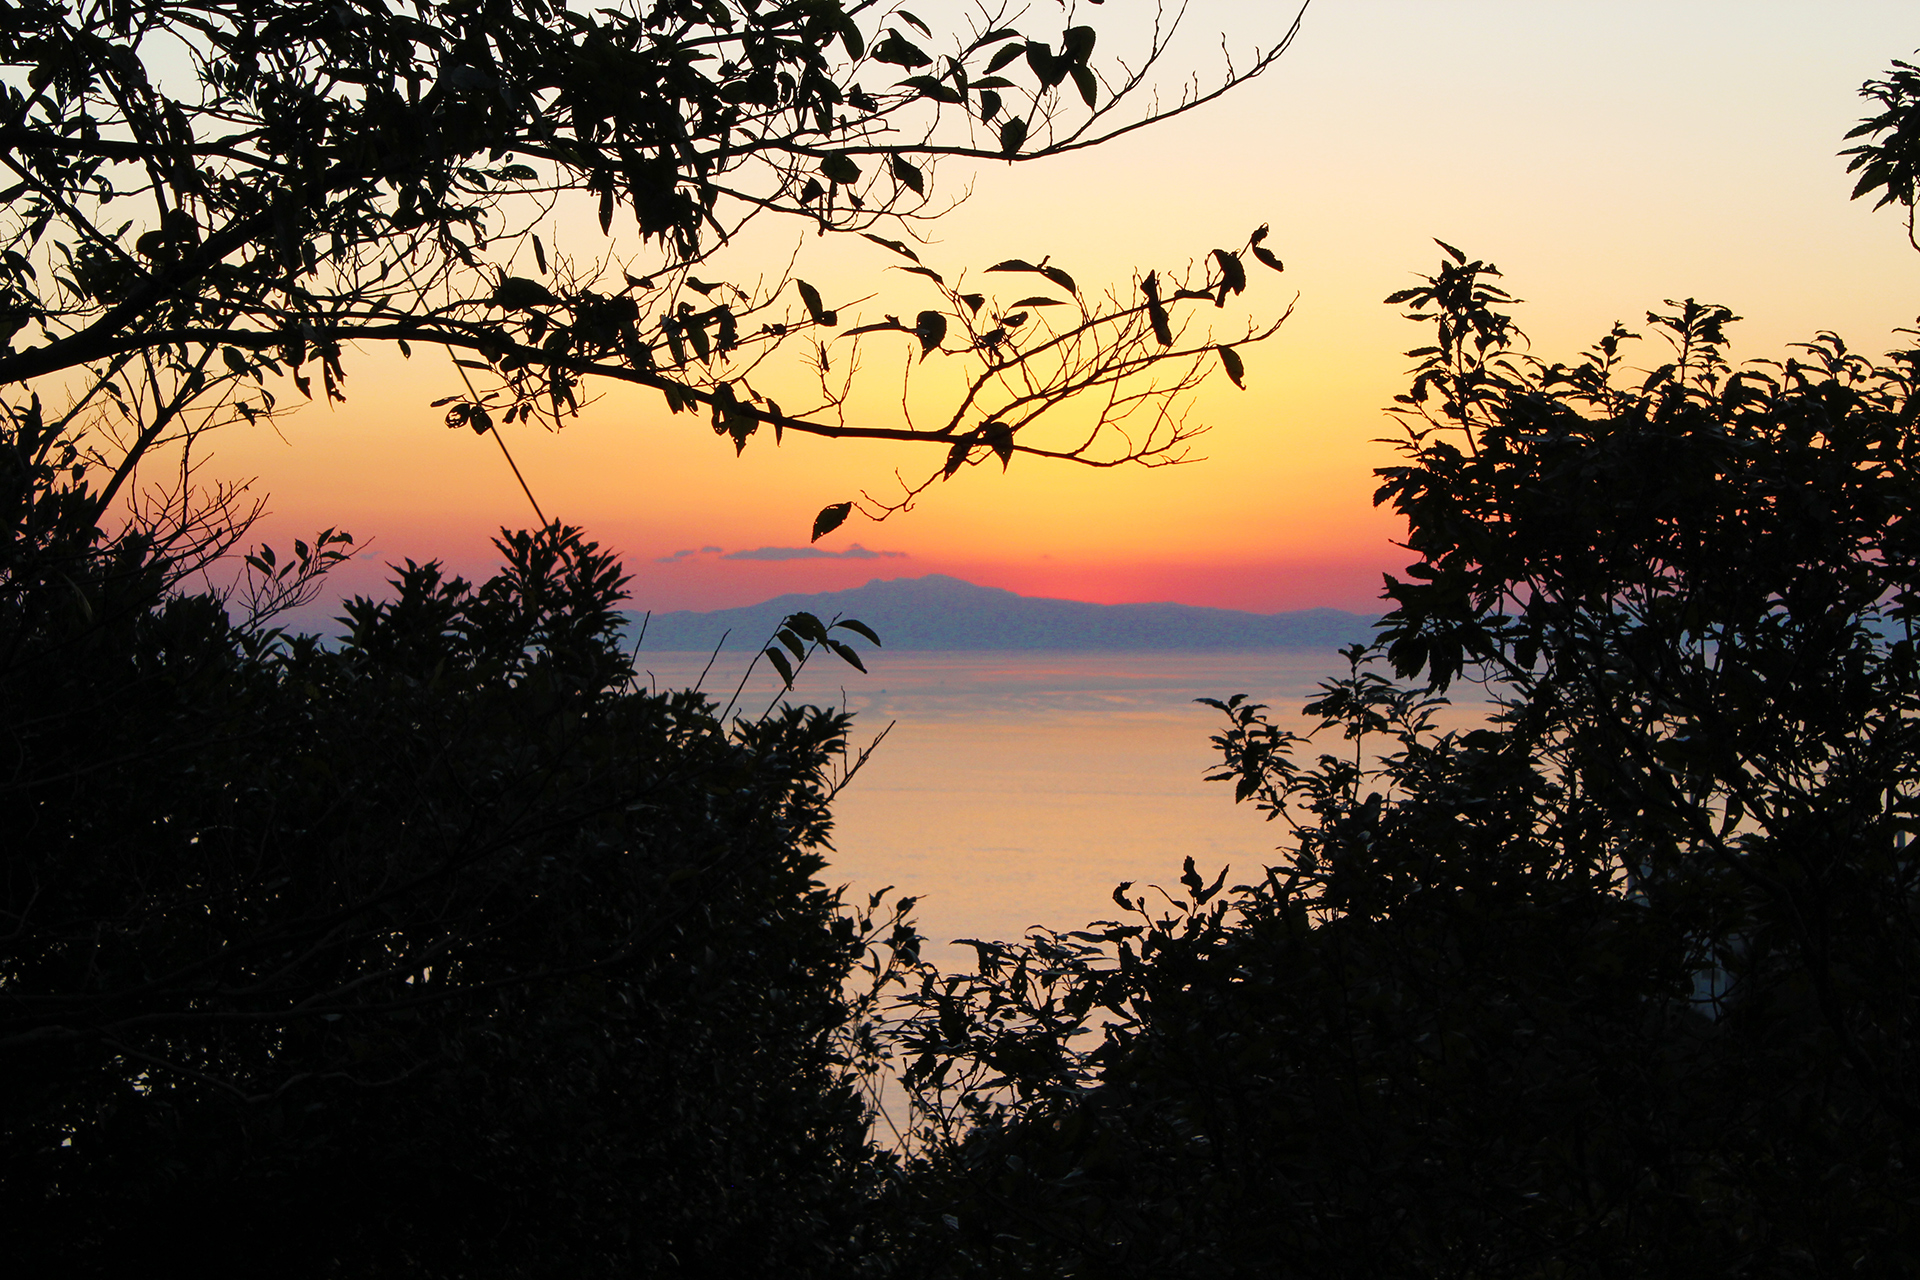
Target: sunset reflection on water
x: 1017, y: 789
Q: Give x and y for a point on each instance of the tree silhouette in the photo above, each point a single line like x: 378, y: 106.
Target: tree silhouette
x: 1622, y: 983
x: 212, y: 200
x: 442, y: 949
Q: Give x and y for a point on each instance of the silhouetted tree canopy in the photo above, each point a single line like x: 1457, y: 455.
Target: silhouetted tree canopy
x: 444, y: 949
x: 1623, y: 983
x: 448, y: 950
x: 212, y: 200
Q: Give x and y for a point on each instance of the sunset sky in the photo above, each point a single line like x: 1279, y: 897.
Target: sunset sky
x: 1607, y: 156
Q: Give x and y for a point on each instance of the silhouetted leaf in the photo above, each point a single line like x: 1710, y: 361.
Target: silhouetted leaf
x: 846, y: 654
x: 1230, y: 360
x: 930, y: 327
x: 1233, y: 276
x: 1012, y: 133
x: 1005, y: 55
x: 830, y: 518
x: 1156, y: 313
x: 806, y: 625
x: 894, y: 245
x: 840, y: 167
x: 811, y: 297
x: 859, y: 628
x: 1076, y: 44
x: 909, y: 176
x: 1084, y: 81
x: 999, y: 438
x: 929, y: 87
x: 896, y: 49
x: 1047, y: 69
x: 517, y: 293
x: 1191, y: 878
x: 1054, y: 274
x: 998, y: 33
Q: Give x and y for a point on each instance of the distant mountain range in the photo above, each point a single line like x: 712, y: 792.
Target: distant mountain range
x: 940, y: 612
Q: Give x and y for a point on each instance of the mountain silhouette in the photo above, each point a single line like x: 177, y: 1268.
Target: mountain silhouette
x: 941, y: 612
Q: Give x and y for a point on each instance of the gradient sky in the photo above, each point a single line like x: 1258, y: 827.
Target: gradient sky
x: 1607, y: 156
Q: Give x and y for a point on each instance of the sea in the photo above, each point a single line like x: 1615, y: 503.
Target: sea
x: 1015, y: 790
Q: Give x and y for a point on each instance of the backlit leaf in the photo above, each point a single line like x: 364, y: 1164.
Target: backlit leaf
x: 811, y: 297
x: 1156, y: 313
x: 1230, y: 360
x: 929, y: 87
x: 858, y: 628
x: 999, y: 437
x: 930, y: 327
x: 1005, y: 55
x: 1233, y: 276
x: 830, y: 518
x: 894, y: 245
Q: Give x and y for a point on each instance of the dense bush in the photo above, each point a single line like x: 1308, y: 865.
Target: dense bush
x: 440, y: 950
x: 1622, y: 983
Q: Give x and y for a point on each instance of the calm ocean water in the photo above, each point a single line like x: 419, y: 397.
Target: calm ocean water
x: 1017, y: 789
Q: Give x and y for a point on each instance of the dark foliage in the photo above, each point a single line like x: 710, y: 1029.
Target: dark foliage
x: 212, y: 203
x: 443, y: 950
x: 1622, y: 983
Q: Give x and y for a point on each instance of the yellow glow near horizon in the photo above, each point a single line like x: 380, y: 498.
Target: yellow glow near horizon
x: 1608, y: 157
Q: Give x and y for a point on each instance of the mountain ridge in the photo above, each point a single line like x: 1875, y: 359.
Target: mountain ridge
x: 937, y: 611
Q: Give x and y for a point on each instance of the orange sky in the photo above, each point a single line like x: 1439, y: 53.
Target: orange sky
x: 1607, y: 155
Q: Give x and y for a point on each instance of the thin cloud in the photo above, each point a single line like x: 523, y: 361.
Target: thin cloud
x: 854, y: 552
x: 690, y: 551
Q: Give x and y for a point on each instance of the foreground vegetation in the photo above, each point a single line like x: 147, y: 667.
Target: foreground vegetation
x: 441, y: 950
x: 1621, y: 984
x: 446, y: 950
